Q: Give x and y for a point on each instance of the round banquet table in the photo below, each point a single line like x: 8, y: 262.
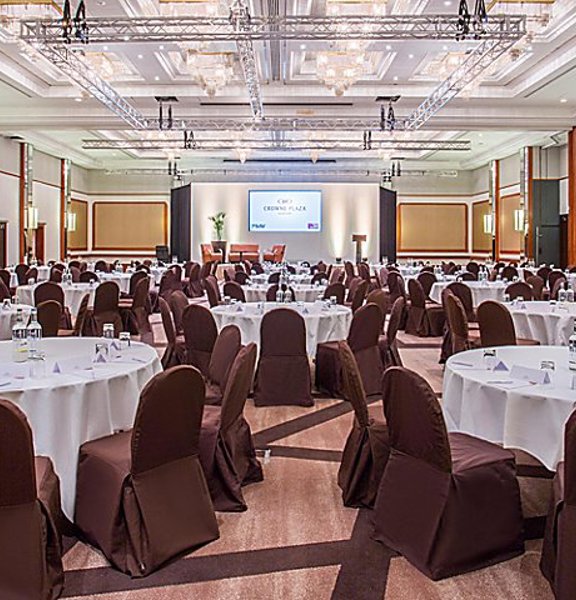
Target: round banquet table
x: 323, y: 324
x: 518, y: 414
x: 8, y: 318
x: 43, y: 275
x: 481, y: 290
x: 73, y: 294
x: 83, y: 402
x: 550, y: 324
x: 303, y: 292
x: 121, y: 279
x: 301, y: 279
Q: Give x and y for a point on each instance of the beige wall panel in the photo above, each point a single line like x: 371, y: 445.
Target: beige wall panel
x: 481, y: 241
x: 78, y: 240
x: 129, y: 225
x: 426, y: 227
x: 510, y: 240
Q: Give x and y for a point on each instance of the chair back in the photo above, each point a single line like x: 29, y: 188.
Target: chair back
x: 365, y: 328
x: 553, y: 277
x: 75, y: 272
x: 282, y: 333
x: 467, y: 276
x: 4, y: 291
x: 359, y: 294
x: 509, y: 272
x: 537, y: 284
x: 88, y: 276
x: 417, y: 295
x: 102, y: 265
x: 363, y: 271
x: 205, y: 269
x: 520, y: 289
x: 464, y: 294
x: 457, y: 322
x: 194, y: 273
x: 415, y: 422
x: 21, y: 270
x: 350, y: 274
x: 396, y: 285
x: 473, y: 267
x: 212, y: 290
x: 352, y: 386
x: 32, y: 273
x: 241, y: 278
x: 55, y: 275
x: 380, y: 298
x: 5, y: 277
x: 134, y: 279
x: 559, y: 283
x: 106, y: 297
x: 200, y: 331
x: 178, y: 303
x: 82, y: 314
x: 570, y: 460
x: 274, y: 278
x: 49, y: 313
x: 352, y: 285
x: 395, y: 320
x: 234, y: 290
x: 335, y: 289
x: 496, y: 325
x: 141, y: 291
x: 426, y: 280
x: 48, y: 291
x: 238, y: 386
x: 319, y: 276
x: 167, y: 321
x: 226, y: 347
x: 544, y: 272
x: 168, y: 419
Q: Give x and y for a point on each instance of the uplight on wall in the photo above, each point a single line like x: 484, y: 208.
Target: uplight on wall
x: 31, y: 217
x: 488, y: 223
x: 519, y: 219
x: 71, y: 221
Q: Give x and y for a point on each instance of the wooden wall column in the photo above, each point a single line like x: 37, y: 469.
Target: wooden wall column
x: 22, y: 205
x: 529, y: 207
x: 63, y: 208
x: 572, y: 197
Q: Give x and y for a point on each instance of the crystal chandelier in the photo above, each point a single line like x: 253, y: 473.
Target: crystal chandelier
x: 12, y: 11
x: 212, y: 70
x: 188, y: 8
x: 338, y: 70
x: 105, y: 66
x: 538, y: 12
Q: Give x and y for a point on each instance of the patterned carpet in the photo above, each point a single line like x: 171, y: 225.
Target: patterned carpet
x: 297, y: 541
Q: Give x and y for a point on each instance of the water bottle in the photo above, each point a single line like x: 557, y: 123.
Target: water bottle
x: 562, y: 294
x: 288, y: 296
x: 569, y: 294
x: 572, y: 350
x: 33, y: 334
x: 279, y: 296
x: 19, y: 344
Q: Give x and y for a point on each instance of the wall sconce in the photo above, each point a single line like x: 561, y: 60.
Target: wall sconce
x: 31, y: 217
x: 519, y: 219
x: 488, y: 224
x: 70, y: 221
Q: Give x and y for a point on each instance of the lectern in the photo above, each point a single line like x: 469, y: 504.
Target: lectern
x: 358, y: 238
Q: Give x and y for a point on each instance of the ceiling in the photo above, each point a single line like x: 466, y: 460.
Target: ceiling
x: 522, y: 99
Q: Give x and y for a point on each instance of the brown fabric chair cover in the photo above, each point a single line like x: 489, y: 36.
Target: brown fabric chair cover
x: 380, y: 298
x: 366, y: 450
x: 335, y: 289
x: 200, y: 333
x: 473, y: 267
x: 448, y: 503
x: 21, y: 270
x: 88, y: 276
x: 4, y: 291
x: 75, y: 272
x: 81, y: 316
x: 5, y: 277
x: 105, y: 309
x: 134, y: 279
x: 423, y: 320
x: 457, y: 324
x: 509, y: 273
x: 273, y: 290
x: 138, y: 314
x: 497, y: 326
x: 359, y: 294
x: 241, y: 278
x: 396, y: 286
x: 321, y: 276
x: 74, y: 263
x: 169, y: 283
x: 553, y: 277
x: 31, y: 545
x: 226, y: 347
x: 178, y: 303
x: 544, y: 272
x: 31, y: 274
x: 559, y: 283
x: 234, y: 290
x: 464, y: 294
x: 55, y: 275
x: 467, y: 277
x: 212, y: 290
x: 175, y: 352
x: 194, y: 289
x: 274, y: 278
x: 283, y: 375
x: 141, y: 495
x: 363, y: 340
x: 537, y: 284
x: 49, y: 290
x: 558, y: 550
x: 49, y: 313
x: 387, y: 343
x: 102, y: 265
x: 363, y: 271
x: 352, y: 287
x: 227, y: 450
x: 446, y: 348
x: 520, y: 289
x: 426, y: 280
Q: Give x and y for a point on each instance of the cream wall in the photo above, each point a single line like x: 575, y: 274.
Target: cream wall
x: 346, y: 209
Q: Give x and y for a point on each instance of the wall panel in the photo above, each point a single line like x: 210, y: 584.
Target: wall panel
x: 481, y: 241
x: 510, y: 239
x: 428, y: 227
x: 78, y: 240
x: 129, y: 225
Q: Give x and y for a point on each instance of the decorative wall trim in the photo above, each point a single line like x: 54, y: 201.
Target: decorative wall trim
x: 475, y: 248
x: 83, y: 247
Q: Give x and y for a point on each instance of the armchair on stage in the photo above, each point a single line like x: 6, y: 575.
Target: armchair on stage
x: 209, y: 254
x: 275, y: 254
x: 240, y: 252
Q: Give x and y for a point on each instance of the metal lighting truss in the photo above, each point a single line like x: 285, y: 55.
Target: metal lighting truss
x: 259, y: 144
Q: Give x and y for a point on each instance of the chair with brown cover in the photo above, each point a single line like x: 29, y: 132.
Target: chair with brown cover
x: 194, y: 288
x: 363, y: 271
x: 32, y: 275
x: 558, y: 550
x: 352, y: 287
x: 234, y: 290
x: 21, y: 270
x: 320, y: 277
x: 102, y: 266
x: 387, y: 343
x: 49, y: 290
x: 559, y: 283
x: 106, y: 308
x: 537, y: 284
x: 544, y: 272
x: 519, y: 289
x: 177, y: 270
x: 169, y: 283
x: 258, y: 268
x: 336, y: 275
x: 363, y: 340
x: 497, y: 326
x: 460, y: 335
x: 134, y: 279
x: 4, y: 291
x: 509, y: 272
x: 80, y: 321
x: 449, y: 503
x: 426, y: 280
x: 75, y: 272
x: 424, y: 319
x: 55, y: 275
x: 241, y: 278
x: 226, y: 347
x: 31, y: 545
x: 227, y: 450
x: 359, y: 295
x: 396, y: 286
x: 74, y: 263
x: 175, y: 352
x: 5, y: 277
x: 335, y: 289
x: 380, y: 298
x: 200, y: 333
x: 178, y: 302
x: 273, y: 290
x: 212, y: 290
x: 464, y: 294
x: 49, y: 313
x: 467, y: 277
x: 366, y: 450
x: 350, y: 274
x: 473, y: 267
x: 136, y: 318
x: 553, y: 277
x: 141, y: 495
x: 88, y: 276
x: 283, y: 374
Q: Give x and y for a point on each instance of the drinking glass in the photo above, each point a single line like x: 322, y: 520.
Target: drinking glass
x: 108, y: 331
x: 124, y: 339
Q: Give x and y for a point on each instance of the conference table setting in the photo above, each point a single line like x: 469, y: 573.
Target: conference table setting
x: 324, y: 322
x: 550, y: 323
x: 120, y: 278
x: 8, y: 312
x: 517, y: 396
x: 79, y: 390
x: 303, y: 292
x: 481, y: 290
x: 73, y: 294
x: 302, y: 278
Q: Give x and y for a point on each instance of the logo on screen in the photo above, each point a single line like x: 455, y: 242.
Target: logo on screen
x: 313, y: 226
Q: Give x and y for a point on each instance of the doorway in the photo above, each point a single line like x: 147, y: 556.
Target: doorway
x: 546, y: 221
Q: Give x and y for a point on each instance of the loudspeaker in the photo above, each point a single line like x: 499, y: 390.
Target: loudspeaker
x: 387, y: 224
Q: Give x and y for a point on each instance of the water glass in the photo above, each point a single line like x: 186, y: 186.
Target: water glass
x: 506, y: 297
x: 100, y: 350
x: 108, y: 331
x: 6, y: 304
x: 548, y: 365
x: 333, y: 300
x: 31, y: 281
x: 490, y: 359
x: 124, y: 340
x: 37, y: 366
x: 226, y: 300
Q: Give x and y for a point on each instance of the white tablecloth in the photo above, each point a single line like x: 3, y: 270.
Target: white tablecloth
x: 73, y: 295
x: 517, y: 414
x: 551, y: 325
x: 66, y: 410
x: 121, y: 279
x: 8, y: 318
x: 301, y: 279
x: 481, y: 290
x: 43, y: 275
x: 322, y: 324
x: 304, y: 293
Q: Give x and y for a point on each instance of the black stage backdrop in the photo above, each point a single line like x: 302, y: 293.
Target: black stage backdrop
x: 180, y: 218
x: 387, y: 224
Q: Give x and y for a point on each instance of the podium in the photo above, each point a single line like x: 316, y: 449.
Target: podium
x: 358, y: 238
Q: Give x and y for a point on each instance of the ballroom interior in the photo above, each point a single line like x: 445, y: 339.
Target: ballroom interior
x: 287, y: 299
